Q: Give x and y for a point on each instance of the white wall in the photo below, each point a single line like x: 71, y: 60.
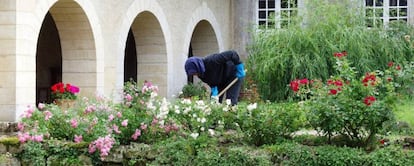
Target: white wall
x: 93, y: 35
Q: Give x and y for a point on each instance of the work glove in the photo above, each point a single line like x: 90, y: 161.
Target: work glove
x: 214, y: 94
x: 214, y: 91
x: 240, y: 73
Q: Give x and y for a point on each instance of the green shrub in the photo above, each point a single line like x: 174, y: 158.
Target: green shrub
x: 391, y: 155
x: 290, y: 153
x: 332, y: 155
x: 33, y: 154
x: 310, y: 140
x: 270, y: 122
x: 179, y: 152
x: 194, y: 90
x: 231, y: 156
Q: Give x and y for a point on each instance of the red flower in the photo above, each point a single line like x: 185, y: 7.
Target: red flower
x: 304, y: 81
x: 390, y: 64
x: 62, y: 90
x: 338, y: 83
x: 333, y: 91
x: 340, y: 54
x: 369, y: 78
x: 54, y: 88
x: 330, y: 82
x: 398, y: 67
x: 294, y: 85
x: 369, y: 100
x: 382, y: 142
x: 68, y: 87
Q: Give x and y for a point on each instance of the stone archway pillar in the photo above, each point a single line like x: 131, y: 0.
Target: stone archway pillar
x: 8, y: 60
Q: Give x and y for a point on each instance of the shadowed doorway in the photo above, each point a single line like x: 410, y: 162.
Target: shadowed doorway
x: 130, y: 60
x: 48, y: 60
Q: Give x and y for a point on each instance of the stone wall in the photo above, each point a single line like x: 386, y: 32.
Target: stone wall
x: 7, y: 59
x: 92, y: 40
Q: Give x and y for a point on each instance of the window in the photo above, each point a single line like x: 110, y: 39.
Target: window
x: 276, y: 13
x: 381, y: 12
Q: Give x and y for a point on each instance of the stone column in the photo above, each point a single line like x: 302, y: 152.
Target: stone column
x: 7, y: 60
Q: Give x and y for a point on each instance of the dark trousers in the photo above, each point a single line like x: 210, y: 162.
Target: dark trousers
x: 233, y: 92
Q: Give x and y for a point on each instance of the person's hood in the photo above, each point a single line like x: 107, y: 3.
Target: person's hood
x: 194, y: 65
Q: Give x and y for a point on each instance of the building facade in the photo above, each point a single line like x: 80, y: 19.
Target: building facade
x: 94, y: 44
x: 99, y: 44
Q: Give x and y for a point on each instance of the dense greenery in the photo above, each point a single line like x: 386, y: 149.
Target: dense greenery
x: 350, y: 101
x: 305, y: 49
x: 206, y: 134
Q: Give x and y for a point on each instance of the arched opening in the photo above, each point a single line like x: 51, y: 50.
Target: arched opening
x: 48, y: 59
x: 78, y: 54
x: 152, y: 63
x: 130, y: 61
x: 203, y: 42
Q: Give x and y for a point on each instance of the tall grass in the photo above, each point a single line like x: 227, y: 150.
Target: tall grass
x: 305, y: 49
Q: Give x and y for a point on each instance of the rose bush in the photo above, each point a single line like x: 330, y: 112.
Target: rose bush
x: 347, y: 105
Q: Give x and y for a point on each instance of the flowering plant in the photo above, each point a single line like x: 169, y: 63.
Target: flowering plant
x: 347, y: 104
x: 64, y: 91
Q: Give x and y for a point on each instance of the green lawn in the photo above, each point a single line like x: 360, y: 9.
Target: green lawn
x: 406, y: 112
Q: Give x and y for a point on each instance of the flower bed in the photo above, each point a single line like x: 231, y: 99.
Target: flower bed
x: 195, y: 131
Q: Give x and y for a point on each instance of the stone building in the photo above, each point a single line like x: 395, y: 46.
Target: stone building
x: 99, y: 44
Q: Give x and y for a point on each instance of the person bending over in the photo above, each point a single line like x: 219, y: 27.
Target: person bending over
x: 218, y: 71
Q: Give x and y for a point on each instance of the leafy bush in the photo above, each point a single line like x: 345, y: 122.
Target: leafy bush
x: 205, y: 151
x: 175, y: 152
x: 62, y: 153
x: 278, y: 56
x: 404, y: 78
x: 34, y: 154
x: 194, y: 90
x: 270, y: 122
x: 290, y: 153
x: 332, y: 155
x: 392, y: 155
x: 349, y: 105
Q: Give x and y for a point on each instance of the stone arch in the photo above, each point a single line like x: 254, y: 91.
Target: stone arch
x: 203, y: 40
x: 81, y: 43
x: 150, y: 28
x: 203, y: 35
x: 152, y: 60
x: 203, y: 23
x: 78, y: 45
